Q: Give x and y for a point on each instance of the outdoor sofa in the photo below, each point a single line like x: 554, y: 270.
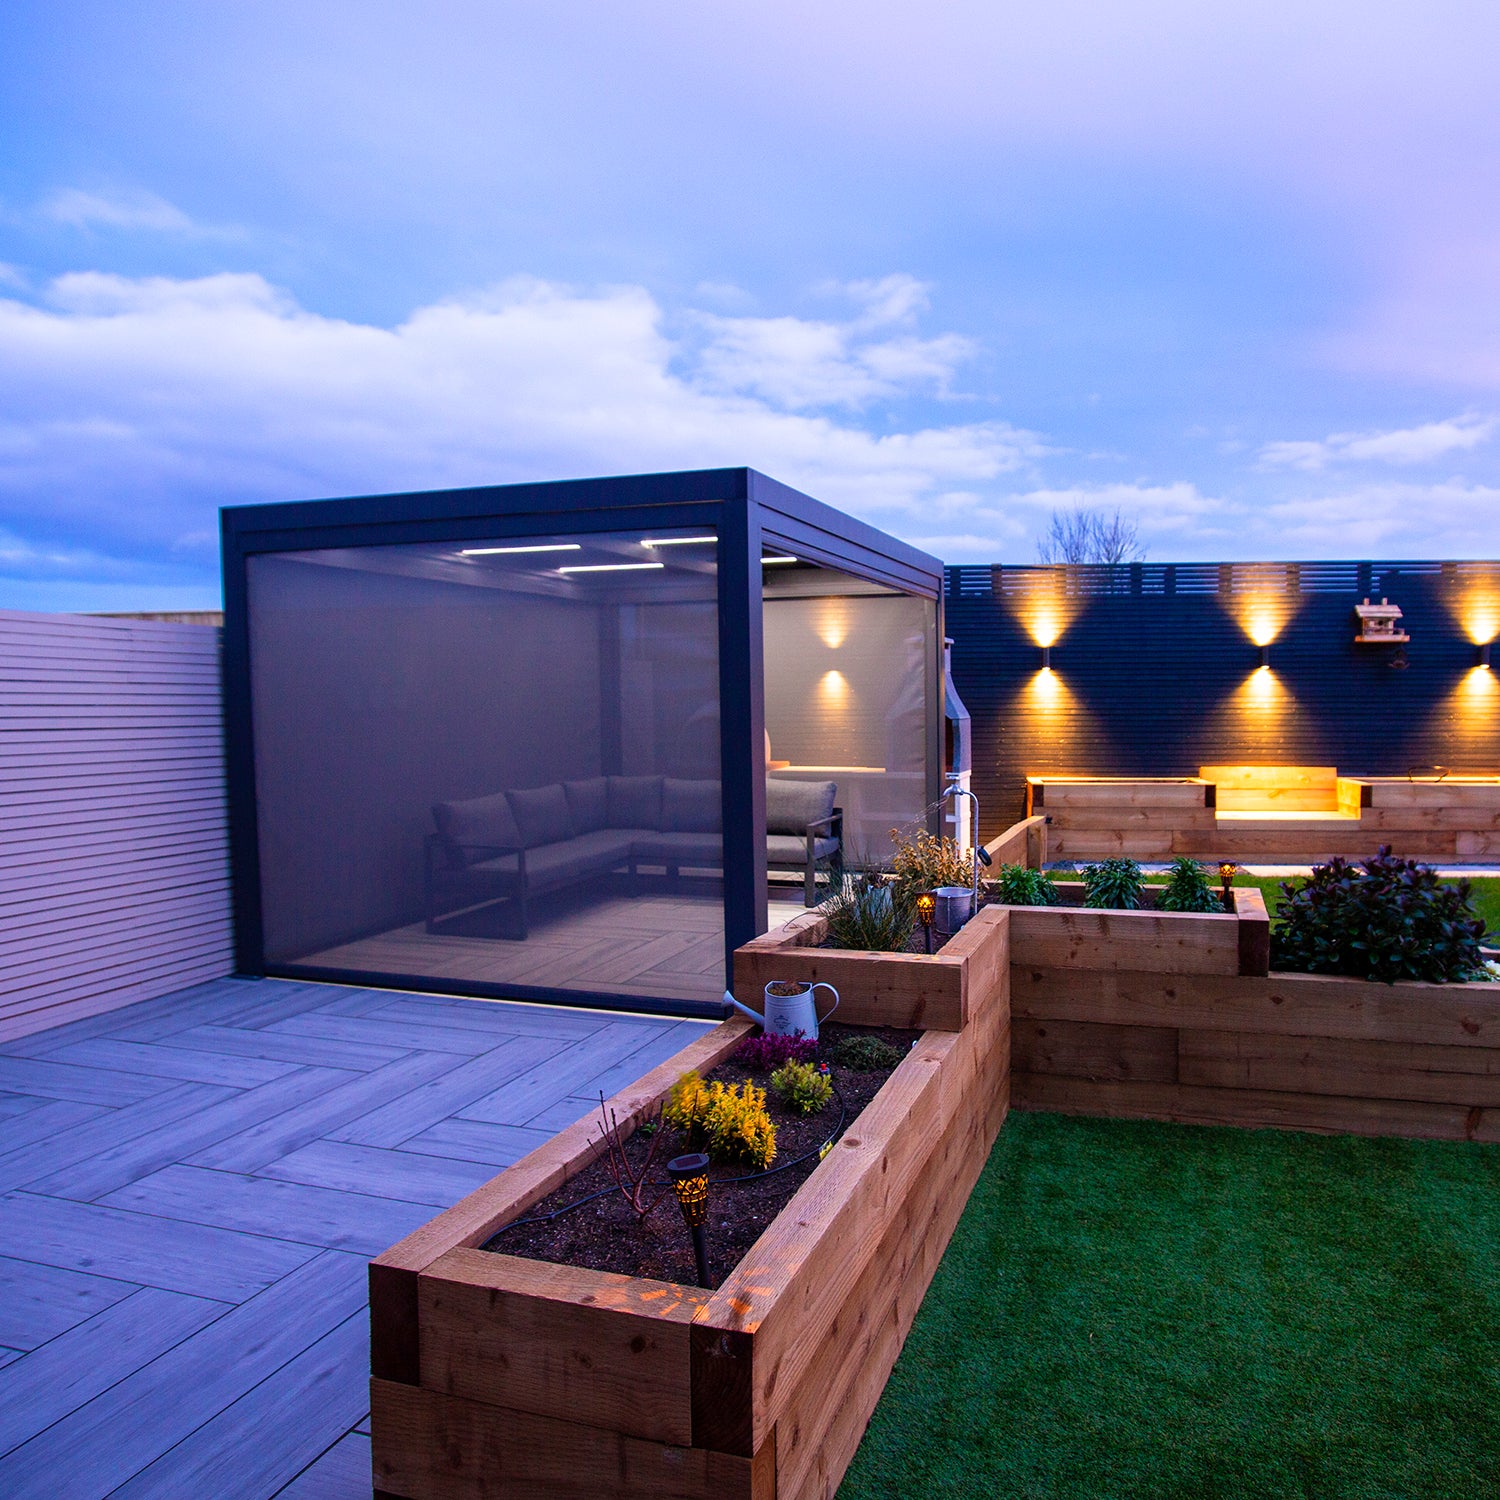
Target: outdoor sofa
x: 513, y: 846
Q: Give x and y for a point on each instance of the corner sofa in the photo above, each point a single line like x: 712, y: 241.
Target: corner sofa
x: 515, y: 845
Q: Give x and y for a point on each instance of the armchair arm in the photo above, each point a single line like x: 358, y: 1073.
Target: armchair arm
x: 832, y: 825
x: 461, y: 856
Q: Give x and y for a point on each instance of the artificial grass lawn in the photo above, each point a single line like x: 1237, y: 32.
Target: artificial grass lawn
x: 1134, y: 1309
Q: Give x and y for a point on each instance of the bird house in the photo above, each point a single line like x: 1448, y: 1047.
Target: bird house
x: 1379, y: 624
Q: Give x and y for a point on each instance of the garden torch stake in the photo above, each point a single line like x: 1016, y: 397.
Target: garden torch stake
x: 689, y: 1175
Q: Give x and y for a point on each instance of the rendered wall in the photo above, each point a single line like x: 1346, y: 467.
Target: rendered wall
x: 114, y: 881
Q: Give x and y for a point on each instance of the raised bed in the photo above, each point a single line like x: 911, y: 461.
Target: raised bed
x: 500, y: 1376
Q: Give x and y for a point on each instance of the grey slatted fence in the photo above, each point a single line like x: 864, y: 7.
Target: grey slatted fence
x: 114, y: 878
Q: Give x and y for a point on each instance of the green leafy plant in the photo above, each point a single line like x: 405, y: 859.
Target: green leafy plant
x: 1114, y: 884
x: 923, y: 862
x: 865, y: 912
x: 866, y: 1054
x: 801, y: 1087
x: 1188, y: 888
x: 1385, y: 919
x: 1016, y: 885
x: 728, y: 1120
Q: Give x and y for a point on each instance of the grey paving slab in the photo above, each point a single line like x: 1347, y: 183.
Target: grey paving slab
x: 115, y: 1165
x: 560, y: 1114
x: 172, y: 1062
x: 191, y: 1258
x: 51, y: 1118
x: 111, y: 1129
x: 265, y: 1139
x: 414, y: 1036
x: 476, y: 1140
x: 342, y: 1473
x: 359, y: 1222
x: 18, y: 1104
x: 39, y: 1302
x: 437, y: 1180
x: 9, y: 1356
x: 105, y: 1442
x: 63, y: 1375
x: 493, y: 1015
x: 50, y: 1080
x: 410, y: 1112
x: 306, y: 1051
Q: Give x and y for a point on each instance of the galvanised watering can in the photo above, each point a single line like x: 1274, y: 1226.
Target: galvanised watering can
x: 790, y: 1012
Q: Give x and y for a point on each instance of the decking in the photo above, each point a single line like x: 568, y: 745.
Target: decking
x: 190, y: 1189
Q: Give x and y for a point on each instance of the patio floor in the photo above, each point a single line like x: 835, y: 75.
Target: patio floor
x: 190, y: 1189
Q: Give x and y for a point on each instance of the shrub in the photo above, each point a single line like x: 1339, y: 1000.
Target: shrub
x: 1016, y: 885
x: 1388, y: 919
x: 801, y: 1087
x: 1188, y: 888
x: 923, y: 863
x: 864, y: 912
x: 866, y: 1054
x: 728, y: 1120
x: 1113, y: 883
x: 766, y: 1052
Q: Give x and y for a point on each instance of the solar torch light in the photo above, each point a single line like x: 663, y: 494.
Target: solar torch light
x: 926, y: 906
x: 1227, y: 871
x: 689, y: 1178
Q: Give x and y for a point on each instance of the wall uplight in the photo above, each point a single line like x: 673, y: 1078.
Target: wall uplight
x: 1265, y: 655
x: 1046, y: 658
x: 1482, y: 654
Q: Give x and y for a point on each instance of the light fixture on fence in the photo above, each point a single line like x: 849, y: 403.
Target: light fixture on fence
x: 1046, y: 658
x: 926, y: 907
x: 1482, y: 654
x: 689, y: 1177
x: 1265, y: 655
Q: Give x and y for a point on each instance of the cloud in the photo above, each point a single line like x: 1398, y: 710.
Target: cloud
x: 1404, y: 445
x: 1450, y: 519
x: 134, y: 407
x: 122, y: 210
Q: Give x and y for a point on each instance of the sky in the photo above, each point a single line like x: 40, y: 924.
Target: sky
x: 1232, y: 269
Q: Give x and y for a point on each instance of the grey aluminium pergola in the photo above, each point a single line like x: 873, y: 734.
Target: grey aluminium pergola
x: 572, y: 646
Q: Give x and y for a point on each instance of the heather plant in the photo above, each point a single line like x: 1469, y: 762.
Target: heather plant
x: 1385, y: 919
x: 866, y: 1054
x: 768, y: 1051
x: 1018, y: 885
x: 1188, y: 889
x: 923, y: 862
x: 1113, y: 883
x: 801, y: 1087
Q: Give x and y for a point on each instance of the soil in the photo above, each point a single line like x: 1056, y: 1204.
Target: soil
x: 605, y: 1235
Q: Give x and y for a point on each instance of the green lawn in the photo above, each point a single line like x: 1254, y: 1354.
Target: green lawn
x: 1131, y: 1309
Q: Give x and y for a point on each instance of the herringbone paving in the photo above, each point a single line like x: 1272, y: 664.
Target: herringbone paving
x: 190, y: 1189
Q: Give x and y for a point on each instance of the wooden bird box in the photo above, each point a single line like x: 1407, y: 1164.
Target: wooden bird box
x: 1378, y: 624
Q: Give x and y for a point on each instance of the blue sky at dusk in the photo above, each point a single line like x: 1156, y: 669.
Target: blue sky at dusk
x: 1234, y: 269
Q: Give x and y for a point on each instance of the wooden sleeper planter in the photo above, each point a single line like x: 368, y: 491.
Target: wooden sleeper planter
x: 495, y: 1375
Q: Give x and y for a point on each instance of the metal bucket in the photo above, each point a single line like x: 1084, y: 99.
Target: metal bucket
x: 954, y: 906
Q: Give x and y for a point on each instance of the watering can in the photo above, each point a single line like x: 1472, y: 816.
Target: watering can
x: 786, y: 1015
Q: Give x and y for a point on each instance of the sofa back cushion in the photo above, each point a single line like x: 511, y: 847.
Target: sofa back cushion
x: 480, y: 821
x: 542, y: 815
x: 690, y: 806
x: 792, y: 805
x: 634, y: 801
x: 588, y: 804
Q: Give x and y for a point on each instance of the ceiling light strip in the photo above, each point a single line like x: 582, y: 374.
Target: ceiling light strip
x: 542, y: 547
x: 610, y: 567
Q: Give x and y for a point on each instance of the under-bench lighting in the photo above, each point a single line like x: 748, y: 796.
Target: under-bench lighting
x: 609, y: 567
x: 500, y: 551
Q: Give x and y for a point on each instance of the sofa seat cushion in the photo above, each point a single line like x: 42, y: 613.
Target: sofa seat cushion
x: 788, y: 849
x: 542, y: 815
x: 792, y: 805
x: 477, y: 824
x: 679, y: 848
x: 555, y: 864
x: 690, y: 806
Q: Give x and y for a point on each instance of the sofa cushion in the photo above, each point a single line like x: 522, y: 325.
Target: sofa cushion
x: 705, y: 850
x: 588, y: 804
x: 792, y: 805
x: 789, y: 849
x: 634, y: 801
x: 542, y: 815
x: 482, y: 822
x: 552, y: 865
x: 690, y: 806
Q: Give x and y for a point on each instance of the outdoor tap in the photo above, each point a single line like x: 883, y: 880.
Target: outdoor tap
x: 976, y: 852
